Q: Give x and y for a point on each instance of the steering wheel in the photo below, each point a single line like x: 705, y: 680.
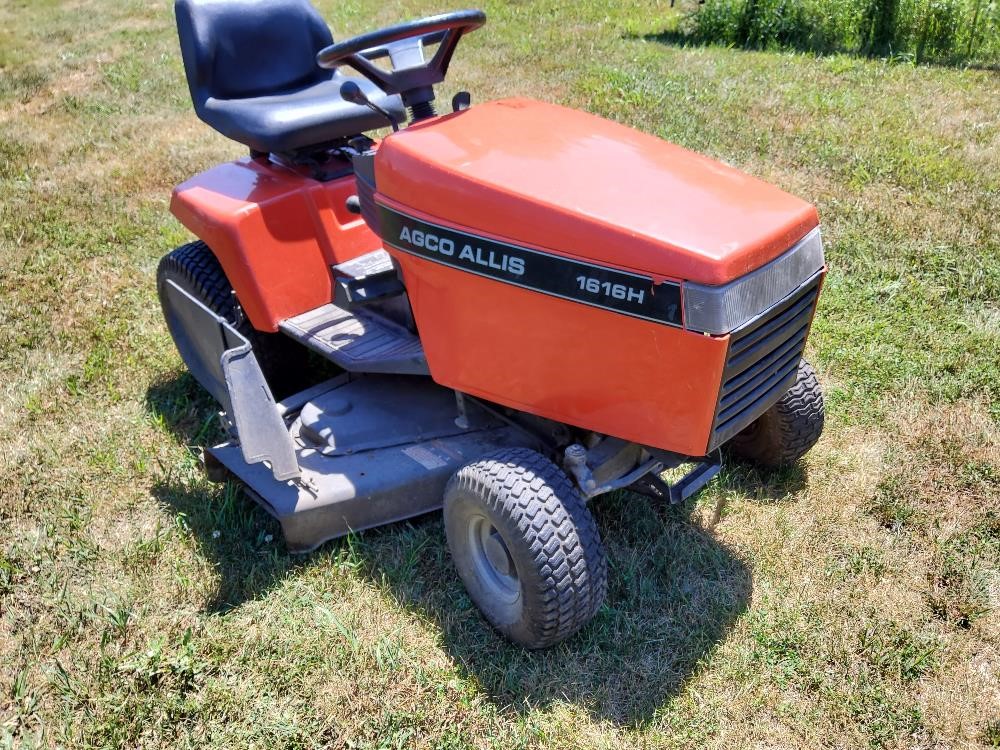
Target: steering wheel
x: 412, y: 77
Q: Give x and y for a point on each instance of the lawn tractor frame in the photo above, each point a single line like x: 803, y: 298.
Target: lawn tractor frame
x: 517, y: 307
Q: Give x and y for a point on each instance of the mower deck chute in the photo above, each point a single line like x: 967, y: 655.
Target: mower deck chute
x: 222, y: 360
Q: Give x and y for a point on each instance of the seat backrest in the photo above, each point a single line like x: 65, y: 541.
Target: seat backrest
x: 239, y: 48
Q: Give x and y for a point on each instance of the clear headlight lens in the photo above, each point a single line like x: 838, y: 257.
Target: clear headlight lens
x: 721, y: 309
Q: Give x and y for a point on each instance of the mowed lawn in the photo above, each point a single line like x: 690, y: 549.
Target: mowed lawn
x: 852, y: 601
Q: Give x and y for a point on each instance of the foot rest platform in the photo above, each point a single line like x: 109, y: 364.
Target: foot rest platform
x: 358, y: 341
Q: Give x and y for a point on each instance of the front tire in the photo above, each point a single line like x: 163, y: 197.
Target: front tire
x: 786, y: 431
x: 526, y: 546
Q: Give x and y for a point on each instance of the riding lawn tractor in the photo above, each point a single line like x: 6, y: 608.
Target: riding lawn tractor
x: 515, y: 307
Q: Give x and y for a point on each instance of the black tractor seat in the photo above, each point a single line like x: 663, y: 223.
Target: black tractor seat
x: 251, y: 69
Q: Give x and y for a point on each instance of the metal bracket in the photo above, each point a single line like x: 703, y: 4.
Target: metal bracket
x: 643, y: 479
x: 652, y: 486
x: 462, y: 420
x: 575, y: 462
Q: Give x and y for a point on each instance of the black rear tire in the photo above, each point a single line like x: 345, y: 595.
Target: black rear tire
x: 194, y: 268
x: 786, y: 431
x: 526, y: 546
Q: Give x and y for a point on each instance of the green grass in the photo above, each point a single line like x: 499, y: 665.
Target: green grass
x: 848, y: 602
x: 951, y: 32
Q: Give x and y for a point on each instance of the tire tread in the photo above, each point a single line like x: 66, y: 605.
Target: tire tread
x: 786, y: 432
x: 196, y: 264
x: 195, y: 267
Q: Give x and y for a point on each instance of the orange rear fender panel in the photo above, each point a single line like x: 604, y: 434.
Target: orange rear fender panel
x: 275, y: 232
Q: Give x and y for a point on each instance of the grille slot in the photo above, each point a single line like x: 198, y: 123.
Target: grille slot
x: 762, y: 361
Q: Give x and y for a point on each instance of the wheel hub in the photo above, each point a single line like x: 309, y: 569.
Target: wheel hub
x: 493, y: 562
x: 498, y: 554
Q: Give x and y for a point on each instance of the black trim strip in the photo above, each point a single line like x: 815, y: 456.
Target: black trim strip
x: 555, y: 275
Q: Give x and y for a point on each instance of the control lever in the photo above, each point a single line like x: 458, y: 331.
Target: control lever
x: 351, y: 92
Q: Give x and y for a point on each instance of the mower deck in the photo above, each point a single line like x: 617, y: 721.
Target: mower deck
x: 371, y: 450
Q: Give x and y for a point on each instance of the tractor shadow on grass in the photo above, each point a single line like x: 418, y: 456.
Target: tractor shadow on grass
x: 675, y: 590
x: 242, y: 540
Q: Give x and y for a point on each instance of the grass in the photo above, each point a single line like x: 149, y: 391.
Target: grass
x: 950, y: 32
x: 849, y: 602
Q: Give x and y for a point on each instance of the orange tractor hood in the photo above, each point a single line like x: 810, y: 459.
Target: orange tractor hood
x: 562, y: 180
